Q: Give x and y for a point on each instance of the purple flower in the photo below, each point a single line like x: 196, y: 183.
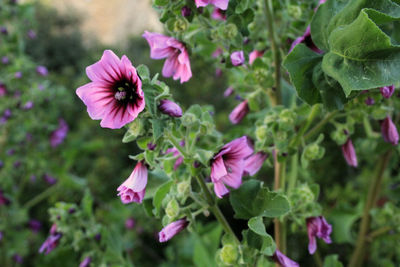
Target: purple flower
x: 254, y: 55
x: 57, y: 136
x: 3, y: 199
x: 217, y: 53
x: 369, y: 101
x: 114, y: 94
x: 50, y: 243
x: 177, y: 64
x: 3, y: 30
x: 18, y: 75
x: 318, y: 227
x: 306, y: 38
x: 349, y: 153
x: 222, y: 4
x: 254, y: 163
x: 172, y: 229
x: 218, y: 72
x: 28, y: 105
x: 228, y: 164
x: 1, y: 164
x: 86, y: 262
x: 3, y: 90
x: 35, y: 225
x: 130, y: 223
x: 10, y: 152
x: 40, y: 87
x: 229, y: 91
x: 151, y: 146
x: 237, y: 58
x: 387, y: 91
x: 134, y: 188
x: 49, y: 179
x: 186, y: 11
x: 218, y: 14
x: 389, y: 131
x: 170, y: 108
x: 175, y: 152
x: 284, y: 261
x: 42, y: 70
x: 18, y: 259
x: 239, y: 112
x: 17, y: 164
x: 6, y: 115
x: 5, y: 60
x: 1, y: 235
x: 31, y: 34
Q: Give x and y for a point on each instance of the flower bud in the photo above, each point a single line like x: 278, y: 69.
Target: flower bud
x: 294, y: 11
x: 172, y: 209
x: 86, y: 262
x: 186, y: 11
x: 229, y: 91
x: 228, y: 254
x: 239, y: 112
x: 387, y: 91
x: 349, y: 153
x: 237, y: 58
x: 188, y: 119
x: 170, y: 108
x: 230, y: 31
x: 183, y: 188
x: 389, y: 131
x: 261, y: 132
x: 180, y: 25
x: 172, y: 229
x: 313, y: 152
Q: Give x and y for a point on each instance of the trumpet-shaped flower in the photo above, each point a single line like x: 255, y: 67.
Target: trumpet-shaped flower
x: 239, y: 112
x: 318, y: 227
x: 134, y: 188
x: 172, y: 229
x: 114, y: 94
x: 221, y: 4
x: 349, y: 153
x: 389, y: 131
x: 283, y: 260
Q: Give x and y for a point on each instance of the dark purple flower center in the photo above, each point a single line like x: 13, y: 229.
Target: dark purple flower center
x: 125, y: 91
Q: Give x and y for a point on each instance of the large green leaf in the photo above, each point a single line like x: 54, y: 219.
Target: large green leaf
x: 252, y: 200
x: 256, y: 225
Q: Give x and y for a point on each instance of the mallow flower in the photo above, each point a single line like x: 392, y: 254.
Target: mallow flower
x: 218, y: 14
x: 283, y: 260
x: 228, y: 164
x: 114, y: 94
x: 172, y: 229
x: 42, y: 70
x: 134, y: 188
x: 170, y: 108
x: 254, y: 55
x: 237, y: 58
x: 58, y: 135
x: 221, y: 4
x: 239, y: 112
x: 387, y: 91
x: 175, y: 152
x: 86, y: 262
x: 177, y: 64
x: 389, y: 131
x: 307, y: 40
x: 318, y: 227
x: 254, y: 163
x: 51, y: 242
x: 349, y: 153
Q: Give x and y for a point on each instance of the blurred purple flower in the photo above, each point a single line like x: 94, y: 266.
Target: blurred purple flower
x: 239, y: 112
x: 318, y: 227
x: 28, y: 105
x: 17, y: 164
x: 218, y: 14
x: 50, y: 243
x: 31, y: 34
x: 186, y: 11
x: 57, y: 137
x: 49, y: 179
x: 3, y: 199
x: 6, y: 115
x: 1, y: 235
x: 42, y: 70
x: 18, y: 259
x: 217, y: 53
x: 86, y: 262
x: 389, y: 131
x: 170, y: 108
x: 237, y: 58
x: 284, y: 261
x: 369, y: 101
x: 5, y: 60
x: 172, y: 229
x: 218, y: 72
x: 1, y: 164
x: 254, y: 55
x: 254, y: 163
x: 229, y: 91
x: 35, y: 225
x: 306, y: 38
x: 3, y: 30
x: 18, y: 75
x: 387, y: 91
x: 130, y: 223
x: 349, y: 153
x: 10, y: 152
x: 151, y: 146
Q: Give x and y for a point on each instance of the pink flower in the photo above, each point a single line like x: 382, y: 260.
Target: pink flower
x: 177, y: 64
x: 349, y: 153
x: 387, y: 91
x: 86, y: 262
x: 130, y: 223
x: 228, y: 164
x: 175, y: 152
x: 172, y: 229
x: 218, y: 52
x: 254, y: 55
x: 221, y: 4
x: 3, y: 199
x: 218, y: 14
x: 318, y: 227
x: 389, y: 131
x: 254, y: 163
x: 115, y: 94
x: 134, y: 188
x: 170, y: 108
x: 229, y: 91
x: 51, y: 242
x: 239, y: 112
x: 42, y: 70
x: 57, y: 137
x: 237, y: 58
x: 306, y: 38
x: 284, y: 261
x: 3, y: 89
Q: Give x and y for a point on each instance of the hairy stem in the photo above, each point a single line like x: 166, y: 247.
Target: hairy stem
x: 215, y: 209
x: 378, y: 232
x: 279, y: 182
x: 42, y: 196
x: 313, y: 113
x: 321, y: 124
x: 275, y: 50
x: 373, y: 192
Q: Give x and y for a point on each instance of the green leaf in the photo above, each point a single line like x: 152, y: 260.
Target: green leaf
x: 252, y: 200
x: 242, y: 6
x: 87, y: 203
x: 332, y: 261
x: 134, y: 130
x: 161, y: 192
x: 256, y: 224
x: 264, y: 244
x: 158, y: 128
x: 361, y: 55
x: 300, y: 64
x: 149, y: 96
x: 143, y: 72
x: 160, y: 2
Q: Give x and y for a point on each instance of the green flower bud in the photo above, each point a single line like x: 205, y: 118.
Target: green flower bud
x: 261, y: 133
x: 281, y: 136
x: 339, y: 136
x: 305, y: 193
x: 313, y: 152
x: 172, y: 209
x: 180, y: 25
x: 230, y: 31
x: 228, y: 254
x: 188, y: 119
x: 294, y: 11
x: 286, y: 119
x: 183, y: 188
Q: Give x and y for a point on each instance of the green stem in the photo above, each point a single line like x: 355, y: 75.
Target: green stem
x: 321, y: 124
x: 176, y: 144
x: 275, y: 49
x: 317, y: 259
x: 38, y: 198
x: 314, y: 112
x: 293, y: 173
x: 279, y: 227
x: 378, y: 232
x: 215, y: 210
x: 373, y: 192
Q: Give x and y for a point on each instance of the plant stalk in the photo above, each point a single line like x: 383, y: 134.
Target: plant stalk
x: 279, y: 227
x: 275, y: 50
x: 321, y: 124
x: 373, y: 192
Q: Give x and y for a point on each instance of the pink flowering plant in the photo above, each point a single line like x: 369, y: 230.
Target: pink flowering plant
x: 293, y: 162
